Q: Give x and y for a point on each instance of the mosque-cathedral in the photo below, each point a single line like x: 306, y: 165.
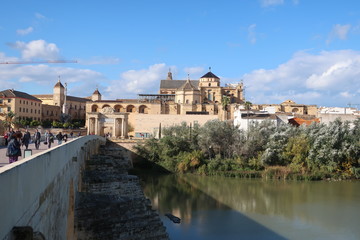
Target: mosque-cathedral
x: 192, y: 101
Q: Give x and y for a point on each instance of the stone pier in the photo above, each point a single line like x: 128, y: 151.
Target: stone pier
x: 111, y: 203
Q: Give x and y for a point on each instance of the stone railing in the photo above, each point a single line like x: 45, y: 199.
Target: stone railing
x: 38, y: 193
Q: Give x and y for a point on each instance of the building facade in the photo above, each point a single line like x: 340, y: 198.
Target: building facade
x: 24, y: 106
x: 201, y: 98
x: 60, y: 103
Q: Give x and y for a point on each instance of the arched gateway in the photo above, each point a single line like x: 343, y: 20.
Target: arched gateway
x: 107, y: 121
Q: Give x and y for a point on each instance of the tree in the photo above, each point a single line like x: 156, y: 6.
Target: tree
x: 10, y: 118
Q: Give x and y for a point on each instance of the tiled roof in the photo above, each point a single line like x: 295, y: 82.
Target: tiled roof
x: 210, y: 75
x: 97, y: 92
x: 42, y: 96
x: 58, y: 84
x: 78, y: 99
x: 187, y: 86
x: 299, y: 121
x: 9, y: 93
x: 175, y: 84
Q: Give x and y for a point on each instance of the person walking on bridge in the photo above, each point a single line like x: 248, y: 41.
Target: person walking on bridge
x: 49, y: 138
x: 26, y: 139
x: 37, y: 138
x: 13, y: 149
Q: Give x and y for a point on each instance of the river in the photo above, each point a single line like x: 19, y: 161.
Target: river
x: 232, y: 208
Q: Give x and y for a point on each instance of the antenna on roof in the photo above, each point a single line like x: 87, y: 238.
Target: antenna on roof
x: 209, y: 69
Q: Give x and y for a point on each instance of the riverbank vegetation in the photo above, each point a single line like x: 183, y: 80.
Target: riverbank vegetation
x: 312, y: 152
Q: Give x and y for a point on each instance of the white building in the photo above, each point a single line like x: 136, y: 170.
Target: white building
x: 244, y: 119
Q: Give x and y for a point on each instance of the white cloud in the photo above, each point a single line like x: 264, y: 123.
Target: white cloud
x: 39, y: 16
x: 37, y: 49
x: 268, y: 3
x: 40, y: 78
x: 346, y: 94
x: 308, y: 78
x: 137, y: 81
x: 338, y: 32
x: 252, y: 33
x: 24, y: 31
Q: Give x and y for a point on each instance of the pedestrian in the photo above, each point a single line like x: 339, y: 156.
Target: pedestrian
x: 71, y: 134
x: 13, y: 149
x: 49, y: 138
x: 6, y: 139
x: 59, y: 137
x: 65, y: 137
x: 10, y: 133
x: 26, y: 139
x: 37, y: 138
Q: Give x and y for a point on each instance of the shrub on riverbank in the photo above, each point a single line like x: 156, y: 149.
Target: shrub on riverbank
x: 310, y: 152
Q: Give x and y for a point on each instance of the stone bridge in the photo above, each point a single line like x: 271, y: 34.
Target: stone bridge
x: 78, y: 190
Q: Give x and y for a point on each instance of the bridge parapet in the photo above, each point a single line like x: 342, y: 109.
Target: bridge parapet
x: 39, y: 191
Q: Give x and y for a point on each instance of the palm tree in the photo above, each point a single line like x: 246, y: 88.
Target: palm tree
x: 9, y: 119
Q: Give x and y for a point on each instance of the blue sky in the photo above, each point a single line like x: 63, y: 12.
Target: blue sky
x: 303, y: 50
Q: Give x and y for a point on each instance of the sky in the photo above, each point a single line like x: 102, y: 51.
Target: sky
x: 304, y: 50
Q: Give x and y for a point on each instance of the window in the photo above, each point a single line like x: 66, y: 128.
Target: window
x: 9, y: 109
x: 31, y: 103
x: 9, y: 100
x: 35, y: 111
x: 19, y: 109
x: 30, y: 110
x: 27, y: 110
x: 1, y: 101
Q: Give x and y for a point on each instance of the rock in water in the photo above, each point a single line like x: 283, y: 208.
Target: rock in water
x: 173, y: 218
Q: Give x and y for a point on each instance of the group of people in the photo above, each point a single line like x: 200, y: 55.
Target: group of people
x: 15, y: 139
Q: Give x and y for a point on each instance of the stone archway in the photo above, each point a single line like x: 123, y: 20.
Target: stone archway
x: 131, y: 109
x: 119, y: 108
x: 108, y: 122
x: 143, y: 109
x: 94, y: 108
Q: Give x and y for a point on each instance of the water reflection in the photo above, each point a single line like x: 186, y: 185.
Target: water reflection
x: 294, y: 210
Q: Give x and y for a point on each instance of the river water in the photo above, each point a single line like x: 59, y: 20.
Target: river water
x: 232, y: 208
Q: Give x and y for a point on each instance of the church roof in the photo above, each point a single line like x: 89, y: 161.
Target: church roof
x: 210, y: 75
x: 187, y: 86
x: 58, y: 84
x: 175, y: 84
x: 97, y: 92
x: 10, y: 93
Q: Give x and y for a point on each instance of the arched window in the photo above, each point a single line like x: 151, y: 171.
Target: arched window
x: 119, y: 108
x: 94, y: 108
x: 143, y: 109
x: 130, y: 108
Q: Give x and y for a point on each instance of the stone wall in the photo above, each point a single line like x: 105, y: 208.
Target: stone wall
x: 149, y: 123
x: 327, y: 118
x: 39, y: 192
x: 111, y: 203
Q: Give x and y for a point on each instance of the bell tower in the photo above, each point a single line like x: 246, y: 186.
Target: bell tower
x: 59, y: 94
